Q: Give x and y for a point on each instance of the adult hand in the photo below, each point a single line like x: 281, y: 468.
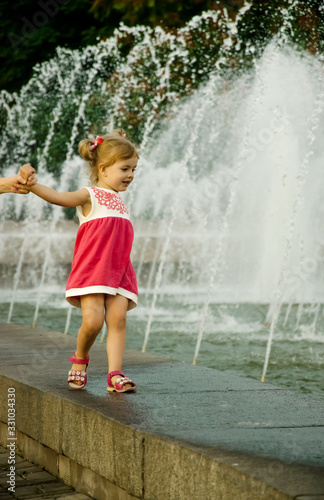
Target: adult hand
x: 17, y: 184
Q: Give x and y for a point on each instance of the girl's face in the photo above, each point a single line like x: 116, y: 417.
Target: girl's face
x: 118, y: 176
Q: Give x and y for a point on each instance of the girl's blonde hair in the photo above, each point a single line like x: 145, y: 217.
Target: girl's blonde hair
x: 113, y: 148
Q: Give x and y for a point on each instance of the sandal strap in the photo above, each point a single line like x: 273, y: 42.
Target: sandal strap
x: 79, y: 361
x: 77, y: 375
x: 77, y: 372
x: 112, y: 374
x: 119, y: 383
x: 117, y: 372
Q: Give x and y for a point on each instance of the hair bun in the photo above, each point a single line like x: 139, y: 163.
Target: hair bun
x: 84, y: 149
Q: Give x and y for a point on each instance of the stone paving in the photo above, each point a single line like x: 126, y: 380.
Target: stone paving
x: 33, y: 482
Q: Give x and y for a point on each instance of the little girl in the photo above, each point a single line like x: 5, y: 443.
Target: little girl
x: 102, y: 280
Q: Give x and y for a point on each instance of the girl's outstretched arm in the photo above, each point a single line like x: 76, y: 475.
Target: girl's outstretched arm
x: 69, y: 199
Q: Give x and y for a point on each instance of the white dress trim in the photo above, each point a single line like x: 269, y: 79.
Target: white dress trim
x: 74, y: 293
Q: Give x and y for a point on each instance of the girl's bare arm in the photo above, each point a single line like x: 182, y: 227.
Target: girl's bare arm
x: 68, y: 199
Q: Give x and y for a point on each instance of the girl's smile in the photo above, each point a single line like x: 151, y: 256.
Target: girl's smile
x: 118, y: 176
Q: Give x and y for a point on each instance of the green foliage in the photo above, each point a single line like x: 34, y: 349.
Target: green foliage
x: 30, y: 31
x: 265, y: 19
x: 168, y: 13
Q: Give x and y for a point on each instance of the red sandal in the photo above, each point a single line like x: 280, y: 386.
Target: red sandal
x: 120, y: 383
x: 76, y: 374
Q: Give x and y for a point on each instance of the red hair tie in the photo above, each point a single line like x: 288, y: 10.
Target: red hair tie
x: 96, y: 143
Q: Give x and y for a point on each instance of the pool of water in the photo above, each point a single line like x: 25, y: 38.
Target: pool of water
x: 234, y: 340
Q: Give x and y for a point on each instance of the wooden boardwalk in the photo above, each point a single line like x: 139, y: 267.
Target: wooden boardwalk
x: 32, y: 481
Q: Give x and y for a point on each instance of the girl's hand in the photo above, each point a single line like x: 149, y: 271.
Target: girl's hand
x: 32, y: 180
x: 28, y: 173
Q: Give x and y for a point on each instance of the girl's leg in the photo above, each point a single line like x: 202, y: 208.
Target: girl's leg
x: 116, y: 309
x: 92, y: 306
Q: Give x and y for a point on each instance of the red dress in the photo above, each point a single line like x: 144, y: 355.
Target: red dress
x: 101, y: 261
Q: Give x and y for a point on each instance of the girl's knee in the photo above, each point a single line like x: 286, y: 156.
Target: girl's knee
x: 121, y: 322
x: 92, y: 325
x: 117, y: 321
x: 116, y: 310
x: 92, y: 313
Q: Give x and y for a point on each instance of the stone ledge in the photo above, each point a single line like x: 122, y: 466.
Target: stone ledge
x: 102, y: 456
x: 217, y: 439
x: 80, y: 434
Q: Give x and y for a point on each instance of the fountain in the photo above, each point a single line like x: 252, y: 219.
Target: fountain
x: 227, y: 199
